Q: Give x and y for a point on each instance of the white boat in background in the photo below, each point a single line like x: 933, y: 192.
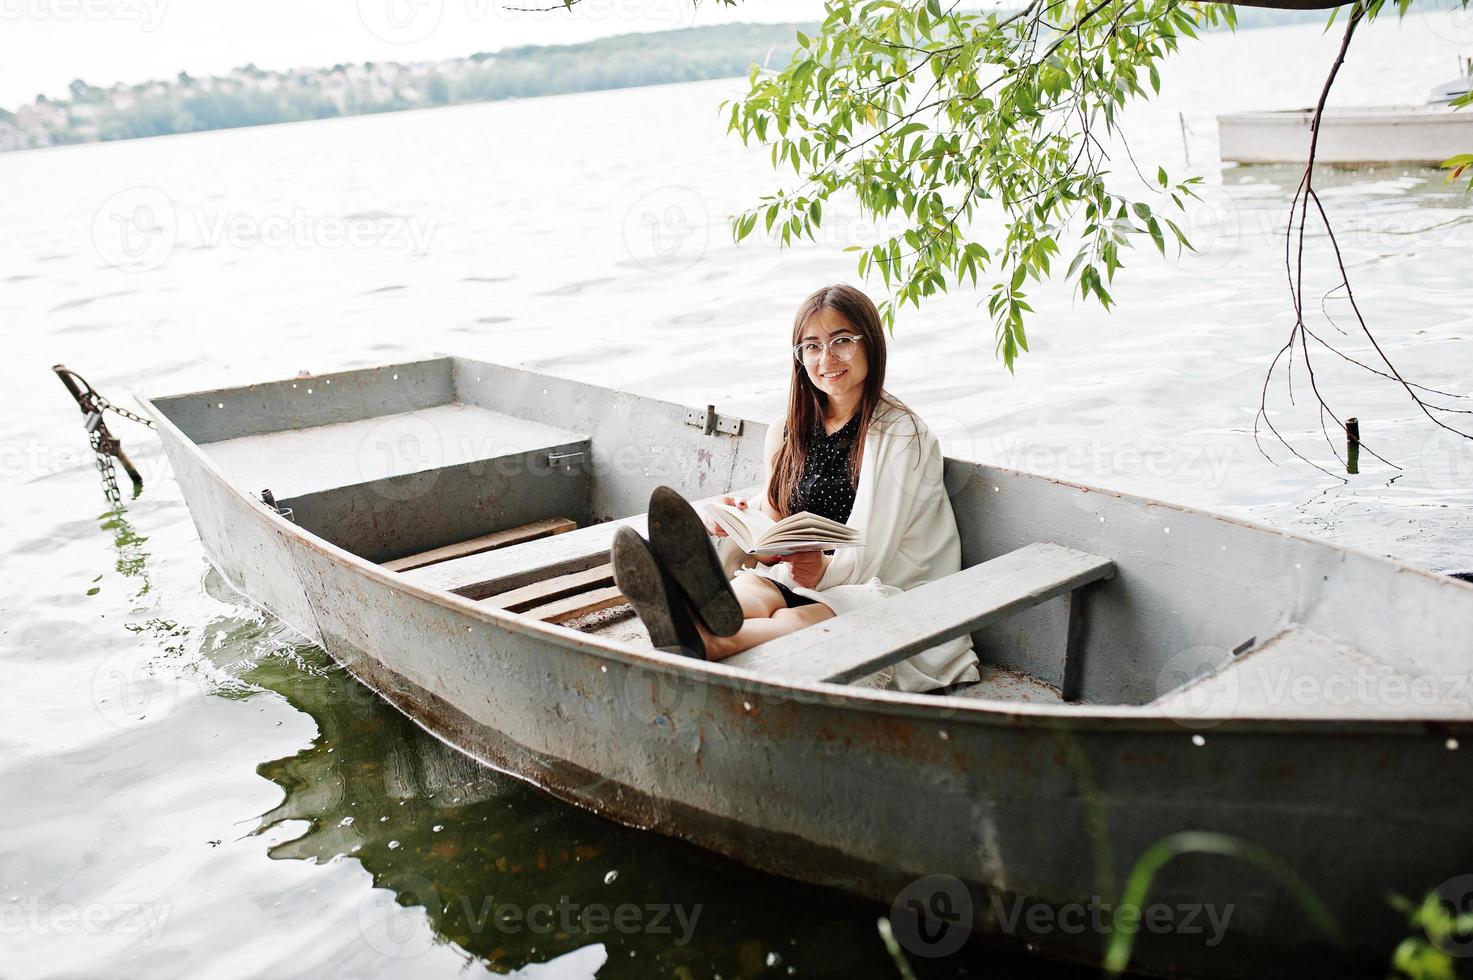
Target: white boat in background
x: 1414, y: 134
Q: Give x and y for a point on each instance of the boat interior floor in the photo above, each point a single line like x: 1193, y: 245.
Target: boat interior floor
x: 559, y: 574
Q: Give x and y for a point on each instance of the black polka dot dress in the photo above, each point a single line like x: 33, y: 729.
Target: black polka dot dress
x: 825, y: 488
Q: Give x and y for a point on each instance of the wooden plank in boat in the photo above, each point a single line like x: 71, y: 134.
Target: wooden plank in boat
x: 549, y: 590
x: 579, y: 605
x: 492, y: 572
x: 486, y: 542
x: 848, y: 647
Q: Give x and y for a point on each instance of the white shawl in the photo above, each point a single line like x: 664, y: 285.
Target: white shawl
x: 904, y: 513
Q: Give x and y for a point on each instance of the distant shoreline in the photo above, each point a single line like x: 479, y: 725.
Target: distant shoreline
x: 249, y: 97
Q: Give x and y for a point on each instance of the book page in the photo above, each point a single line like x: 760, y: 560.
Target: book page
x: 757, y: 534
x: 745, y: 527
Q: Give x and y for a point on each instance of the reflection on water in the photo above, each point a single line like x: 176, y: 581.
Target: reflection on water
x: 510, y: 878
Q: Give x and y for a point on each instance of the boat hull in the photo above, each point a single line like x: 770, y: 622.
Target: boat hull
x: 1038, y: 812
x: 1424, y: 136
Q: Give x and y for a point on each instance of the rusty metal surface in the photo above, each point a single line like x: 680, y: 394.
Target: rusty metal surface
x: 867, y: 790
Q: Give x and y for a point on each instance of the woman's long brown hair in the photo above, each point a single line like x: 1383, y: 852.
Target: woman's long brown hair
x: 806, y: 402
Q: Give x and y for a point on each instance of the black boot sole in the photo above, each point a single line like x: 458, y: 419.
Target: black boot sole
x: 654, y: 595
x: 679, y: 539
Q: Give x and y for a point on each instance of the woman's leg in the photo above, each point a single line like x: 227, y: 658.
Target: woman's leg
x: 762, y: 628
x: 758, y: 596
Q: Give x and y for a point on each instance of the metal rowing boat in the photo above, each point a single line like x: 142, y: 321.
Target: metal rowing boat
x: 441, y: 528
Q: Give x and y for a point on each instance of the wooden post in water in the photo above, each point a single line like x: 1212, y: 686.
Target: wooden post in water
x: 1352, y: 445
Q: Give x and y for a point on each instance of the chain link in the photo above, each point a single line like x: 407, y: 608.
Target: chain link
x: 105, y: 467
x: 105, y: 445
x: 103, y: 405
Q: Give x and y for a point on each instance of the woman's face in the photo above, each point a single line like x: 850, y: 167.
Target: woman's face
x: 830, y: 375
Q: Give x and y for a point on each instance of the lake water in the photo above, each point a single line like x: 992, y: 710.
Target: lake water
x: 190, y: 790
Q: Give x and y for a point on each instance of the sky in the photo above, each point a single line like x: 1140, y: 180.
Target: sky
x: 44, y: 44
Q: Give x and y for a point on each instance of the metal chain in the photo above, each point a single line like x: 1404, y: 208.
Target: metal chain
x: 106, y: 406
x: 105, y: 467
x: 105, y: 445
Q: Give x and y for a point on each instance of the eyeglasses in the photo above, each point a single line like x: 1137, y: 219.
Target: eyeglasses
x: 841, y: 347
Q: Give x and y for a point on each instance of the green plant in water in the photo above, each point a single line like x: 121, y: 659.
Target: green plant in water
x: 1442, y: 934
x: 892, y: 945
x: 1138, y: 885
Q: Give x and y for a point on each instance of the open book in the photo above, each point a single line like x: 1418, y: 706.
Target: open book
x: 757, y: 534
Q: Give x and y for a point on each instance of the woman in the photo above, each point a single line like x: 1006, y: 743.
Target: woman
x: 847, y: 450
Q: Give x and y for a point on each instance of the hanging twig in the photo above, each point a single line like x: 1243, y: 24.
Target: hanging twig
x: 1300, y: 334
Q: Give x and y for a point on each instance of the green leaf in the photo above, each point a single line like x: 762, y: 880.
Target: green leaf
x: 1156, y: 236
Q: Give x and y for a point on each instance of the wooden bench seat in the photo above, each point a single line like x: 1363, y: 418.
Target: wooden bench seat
x: 486, y: 542
x: 489, y: 573
x: 848, y: 647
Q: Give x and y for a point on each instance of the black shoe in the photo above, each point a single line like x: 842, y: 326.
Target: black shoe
x: 654, y: 595
x: 681, y: 542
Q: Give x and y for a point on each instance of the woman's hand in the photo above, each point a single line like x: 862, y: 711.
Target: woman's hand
x: 712, y: 527
x: 808, y: 567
